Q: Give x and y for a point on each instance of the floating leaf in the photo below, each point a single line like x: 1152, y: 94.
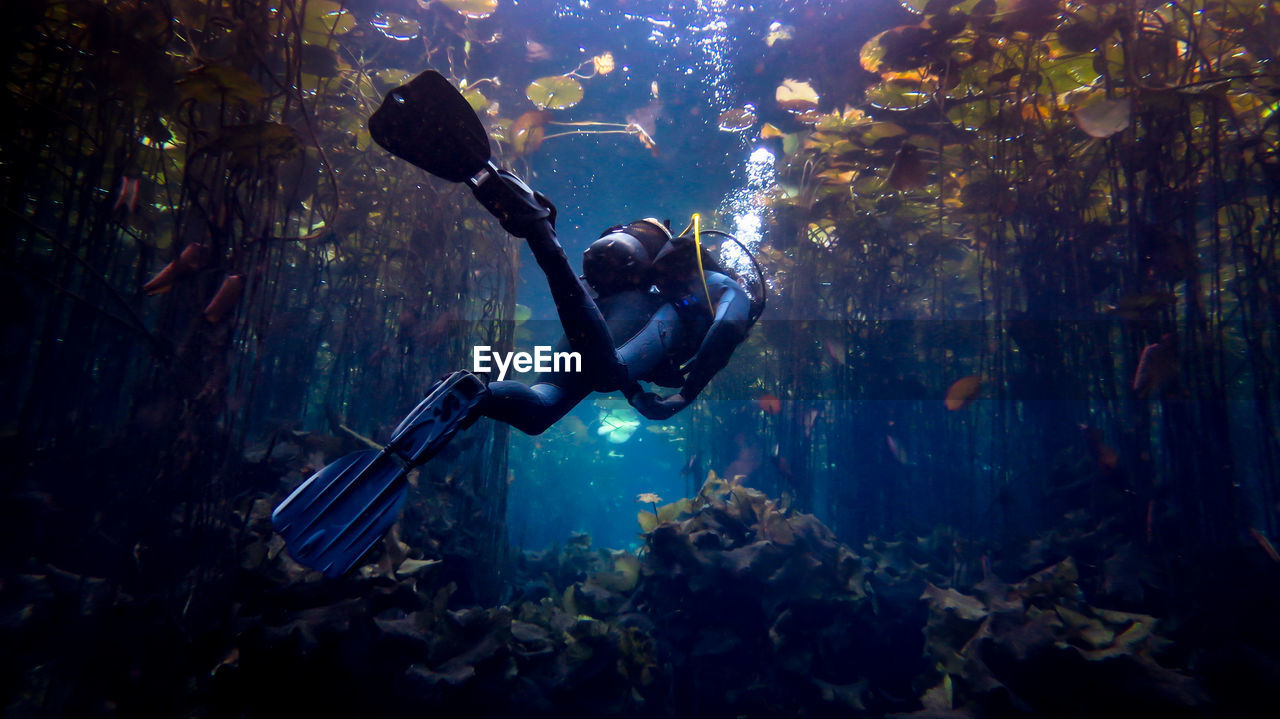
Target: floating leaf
x: 768, y: 131
x: 473, y: 9
x: 903, y: 94
x: 738, y: 119
x: 225, y: 299
x: 270, y: 141
x: 909, y: 170
x: 822, y: 233
x: 769, y: 403
x: 220, y: 83
x: 669, y: 512
x: 1104, y: 118
x: 617, y: 425
x: 193, y: 258
x: 603, y: 63
x: 777, y: 33
x: 648, y: 521
x: 500, y: 130
x: 554, y: 92
x: 963, y: 391
x: 878, y: 131
x: 325, y: 19
x: 476, y: 100
x: 796, y: 96
x: 623, y: 577
x: 396, y: 26
x: 527, y: 131
x: 872, y: 54
x: 319, y: 61
x: 410, y: 567
x: 393, y: 77
x: 963, y: 606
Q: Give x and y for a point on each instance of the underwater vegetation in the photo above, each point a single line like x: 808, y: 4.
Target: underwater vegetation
x: 1004, y: 445
x: 735, y: 605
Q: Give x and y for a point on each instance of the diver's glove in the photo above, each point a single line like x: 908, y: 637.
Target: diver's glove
x: 657, y: 408
x: 518, y: 208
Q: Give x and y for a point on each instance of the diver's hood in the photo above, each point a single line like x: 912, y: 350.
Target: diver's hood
x: 652, y: 233
x: 617, y: 262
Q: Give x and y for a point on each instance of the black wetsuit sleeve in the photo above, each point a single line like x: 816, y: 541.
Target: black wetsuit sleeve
x: 727, y: 331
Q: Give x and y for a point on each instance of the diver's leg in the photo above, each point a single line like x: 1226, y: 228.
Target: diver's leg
x: 530, y: 408
x: 526, y: 214
x: 583, y: 323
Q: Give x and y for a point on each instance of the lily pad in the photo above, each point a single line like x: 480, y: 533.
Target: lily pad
x: 266, y: 141
x: 554, y: 92
x: 391, y: 77
x: 320, y: 61
x: 396, y: 26
x: 1104, y: 118
x: 219, y: 83
x: 527, y: 131
x: 473, y: 9
x: 325, y: 19
x: 738, y: 119
x: 796, y: 96
x: 477, y: 100
x: 900, y: 94
x: 878, y: 131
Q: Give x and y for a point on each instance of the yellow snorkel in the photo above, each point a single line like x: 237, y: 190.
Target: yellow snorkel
x: 695, y: 223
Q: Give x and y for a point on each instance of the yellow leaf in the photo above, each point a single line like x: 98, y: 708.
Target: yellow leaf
x: 648, y: 521
x: 473, y: 9
x: 669, y: 512
x: 963, y: 391
x: 777, y: 33
x: 603, y: 63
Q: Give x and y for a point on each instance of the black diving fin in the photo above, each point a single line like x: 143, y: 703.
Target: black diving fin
x: 332, y: 519
x: 428, y: 123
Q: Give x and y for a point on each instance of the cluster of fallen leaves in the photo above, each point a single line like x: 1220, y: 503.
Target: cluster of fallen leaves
x: 1038, y: 647
x: 735, y: 603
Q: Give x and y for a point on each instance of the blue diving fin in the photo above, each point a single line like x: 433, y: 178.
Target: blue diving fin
x: 331, y: 520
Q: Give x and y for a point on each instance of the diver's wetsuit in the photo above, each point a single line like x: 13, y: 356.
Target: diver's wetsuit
x: 625, y: 337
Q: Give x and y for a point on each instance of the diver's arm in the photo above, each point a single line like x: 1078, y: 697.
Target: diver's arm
x: 727, y: 331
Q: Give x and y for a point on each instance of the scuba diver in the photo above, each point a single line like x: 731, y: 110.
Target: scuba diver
x: 696, y: 318
x: 650, y: 306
